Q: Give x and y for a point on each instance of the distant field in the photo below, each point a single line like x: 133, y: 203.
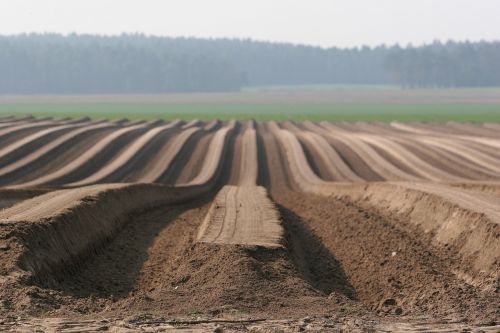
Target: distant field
x: 274, y: 103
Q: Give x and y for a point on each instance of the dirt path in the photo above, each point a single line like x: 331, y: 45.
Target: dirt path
x: 409, y: 128
x: 62, y: 228
x: 299, y: 167
x: 348, y: 155
x: 50, y: 204
x: 242, y: 215
x: 483, y: 204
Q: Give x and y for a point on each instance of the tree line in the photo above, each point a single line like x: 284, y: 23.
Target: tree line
x: 445, y: 65
x: 51, y: 63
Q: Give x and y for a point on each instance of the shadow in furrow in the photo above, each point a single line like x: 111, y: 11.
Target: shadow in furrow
x: 354, y: 161
x: 112, y: 270
x: 28, y: 148
x: 99, y: 160
x: 141, y: 158
x: 276, y: 175
x: 263, y: 177
x: 172, y: 174
x: 47, y: 161
x: 316, y: 264
x: 315, y: 164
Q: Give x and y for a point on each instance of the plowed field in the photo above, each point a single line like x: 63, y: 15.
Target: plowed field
x: 248, y: 226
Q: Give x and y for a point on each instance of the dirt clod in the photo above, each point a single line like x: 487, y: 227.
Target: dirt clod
x: 389, y: 302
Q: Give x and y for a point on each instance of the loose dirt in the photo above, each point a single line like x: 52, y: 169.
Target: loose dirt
x: 392, y: 266
x: 262, y: 227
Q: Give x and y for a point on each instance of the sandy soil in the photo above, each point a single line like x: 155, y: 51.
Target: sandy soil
x: 325, y: 227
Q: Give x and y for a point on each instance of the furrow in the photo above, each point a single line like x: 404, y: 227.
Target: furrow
x: 348, y: 155
x: 275, y: 170
x: 300, y: 172
x: 17, y: 149
x: 474, y: 156
x: 212, y: 161
x: 338, y: 169
x: 373, y: 159
x: 59, y: 174
x: 127, y: 155
x: 409, y: 128
x: 155, y: 171
x: 465, y: 220
x: 475, y: 130
x: 445, y: 160
x: 14, y: 171
x: 52, y: 233
x: 412, y: 161
x: 23, y: 128
x: 50, y: 147
x: 248, y: 172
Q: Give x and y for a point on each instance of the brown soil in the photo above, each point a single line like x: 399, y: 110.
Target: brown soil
x: 327, y: 255
x: 155, y: 265
x: 392, y: 265
x: 59, y: 157
x: 193, y: 160
x: 242, y: 215
x: 179, y: 165
x: 130, y: 159
x: 10, y: 197
x: 29, y: 144
x: 354, y: 161
x: 440, y: 161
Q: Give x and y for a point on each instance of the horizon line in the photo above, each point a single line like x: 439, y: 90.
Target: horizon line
x: 250, y: 39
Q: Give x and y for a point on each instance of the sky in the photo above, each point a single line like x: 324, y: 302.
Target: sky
x: 326, y: 23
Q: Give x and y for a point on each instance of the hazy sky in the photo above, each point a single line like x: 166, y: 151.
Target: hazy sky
x: 320, y: 22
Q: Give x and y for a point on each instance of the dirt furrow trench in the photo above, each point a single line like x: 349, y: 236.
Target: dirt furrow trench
x: 393, y: 267
x: 143, y: 146
x: 56, y: 147
x: 103, y: 150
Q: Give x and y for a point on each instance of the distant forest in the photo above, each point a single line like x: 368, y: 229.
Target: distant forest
x: 55, y: 64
